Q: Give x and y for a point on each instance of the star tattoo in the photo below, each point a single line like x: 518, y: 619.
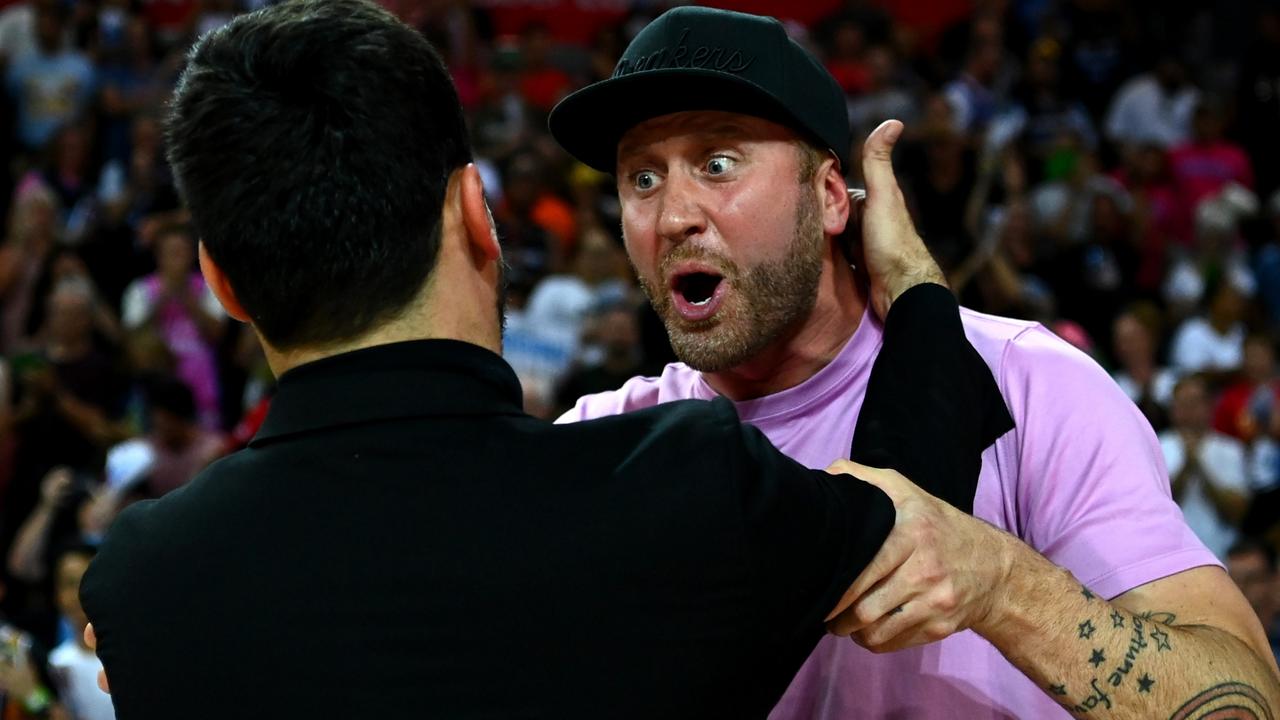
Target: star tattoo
x: 1117, y: 620
x: 1086, y: 629
x: 1058, y: 689
x: 1097, y: 658
x: 1085, y: 592
x: 1162, y: 639
x: 1145, y: 682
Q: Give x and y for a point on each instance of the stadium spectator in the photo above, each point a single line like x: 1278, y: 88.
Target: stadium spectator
x: 53, y: 85
x: 1206, y: 468
x: 175, y: 303
x: 1252, y: 564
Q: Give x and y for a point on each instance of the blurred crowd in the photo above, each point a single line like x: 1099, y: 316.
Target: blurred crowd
x: 1109, y: 168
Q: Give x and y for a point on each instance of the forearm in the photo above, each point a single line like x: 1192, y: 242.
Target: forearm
x: 1099, y: 660
x: 29, y: 546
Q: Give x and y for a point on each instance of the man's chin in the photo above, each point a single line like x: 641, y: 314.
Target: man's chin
x: 714, y: 347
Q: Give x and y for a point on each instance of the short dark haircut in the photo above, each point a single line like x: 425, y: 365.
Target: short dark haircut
x: 312, y: 142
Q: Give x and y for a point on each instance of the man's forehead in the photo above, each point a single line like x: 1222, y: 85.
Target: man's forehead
x: 711, y: 124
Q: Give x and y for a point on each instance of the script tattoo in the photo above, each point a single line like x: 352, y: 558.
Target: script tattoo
x: 1099, y: 697
x: 1137, y: 644
x: 1227, y: 701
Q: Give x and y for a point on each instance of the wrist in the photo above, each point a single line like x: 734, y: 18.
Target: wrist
x: 1020, y: 575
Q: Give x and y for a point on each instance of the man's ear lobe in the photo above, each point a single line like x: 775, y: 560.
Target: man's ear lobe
x: 221, y: 286
x: 836, y: 195
x: 475, y: 213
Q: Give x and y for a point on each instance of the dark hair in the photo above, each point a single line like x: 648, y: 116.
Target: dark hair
x: 173, y: 396
x: 313, y: 141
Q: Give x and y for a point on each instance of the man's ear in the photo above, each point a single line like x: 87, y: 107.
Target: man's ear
x: 476, y: 220
x: 835, y: 196
x: 221, y: 286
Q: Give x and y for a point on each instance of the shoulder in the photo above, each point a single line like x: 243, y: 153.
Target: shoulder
x: 1012, y: 346
x: 677, y: 382
x: 1055, y: 391
x: 680, y: 423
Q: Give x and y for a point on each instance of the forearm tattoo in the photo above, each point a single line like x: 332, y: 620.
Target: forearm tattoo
x: 1116, y: 679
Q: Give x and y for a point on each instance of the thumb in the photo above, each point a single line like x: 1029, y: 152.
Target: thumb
x: 889, y: 481
x: 877, y: 159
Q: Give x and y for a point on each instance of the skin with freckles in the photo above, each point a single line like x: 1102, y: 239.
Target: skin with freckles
x: 737, y: 198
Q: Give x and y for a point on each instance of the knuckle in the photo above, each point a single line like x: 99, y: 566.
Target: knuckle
x: 864, y: 615
x: 947, y: 600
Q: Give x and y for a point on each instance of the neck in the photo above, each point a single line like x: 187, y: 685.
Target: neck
x: 799, y: 354
x: 437, y: 314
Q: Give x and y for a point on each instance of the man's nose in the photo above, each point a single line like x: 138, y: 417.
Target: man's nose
x: 680, y: 213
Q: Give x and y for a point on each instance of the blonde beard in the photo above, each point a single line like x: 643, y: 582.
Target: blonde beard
x: 769, y: 298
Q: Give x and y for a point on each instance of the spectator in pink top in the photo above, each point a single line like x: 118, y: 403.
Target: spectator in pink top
x: 1205, y: 165
x: 175, y: 302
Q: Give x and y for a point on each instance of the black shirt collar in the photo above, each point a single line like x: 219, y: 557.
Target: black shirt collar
x: 399, y: 380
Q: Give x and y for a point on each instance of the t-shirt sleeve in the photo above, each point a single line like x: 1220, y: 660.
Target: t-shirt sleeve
x: 807, y: 533
x: 1092, y: 492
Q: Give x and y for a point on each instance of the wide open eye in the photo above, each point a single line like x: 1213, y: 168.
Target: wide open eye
x: 719, y: 165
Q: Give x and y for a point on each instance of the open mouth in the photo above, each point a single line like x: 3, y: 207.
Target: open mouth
x: 697, y: 288
x: 697, y: 294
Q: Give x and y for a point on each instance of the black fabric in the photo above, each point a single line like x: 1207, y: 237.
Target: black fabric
x: 400, y: 540
x: 929, y: 433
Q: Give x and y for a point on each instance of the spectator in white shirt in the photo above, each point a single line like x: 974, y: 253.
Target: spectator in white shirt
x: 1154, y: 107
x: 1213, y: 342
x: 1206, y: 468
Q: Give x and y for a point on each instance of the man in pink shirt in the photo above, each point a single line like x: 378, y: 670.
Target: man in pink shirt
x: 1083, y: 589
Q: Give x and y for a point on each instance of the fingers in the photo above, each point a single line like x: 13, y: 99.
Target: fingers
x: 877, y: 159
x: 91, y: 640
x: 890, y: 481
x: 882, y: 601
x: 892, y: 554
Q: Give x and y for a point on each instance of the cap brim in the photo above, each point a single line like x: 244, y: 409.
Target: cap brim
x: 590, y: 122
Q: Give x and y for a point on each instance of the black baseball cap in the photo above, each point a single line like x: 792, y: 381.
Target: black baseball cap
x: 696, y: 58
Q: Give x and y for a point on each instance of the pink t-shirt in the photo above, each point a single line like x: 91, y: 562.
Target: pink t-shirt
x: 1080, y: 479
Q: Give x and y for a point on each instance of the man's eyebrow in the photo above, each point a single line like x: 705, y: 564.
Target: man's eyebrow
x: 708, y: 135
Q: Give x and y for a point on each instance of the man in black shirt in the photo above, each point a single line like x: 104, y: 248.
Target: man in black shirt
x: 400, y: 539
